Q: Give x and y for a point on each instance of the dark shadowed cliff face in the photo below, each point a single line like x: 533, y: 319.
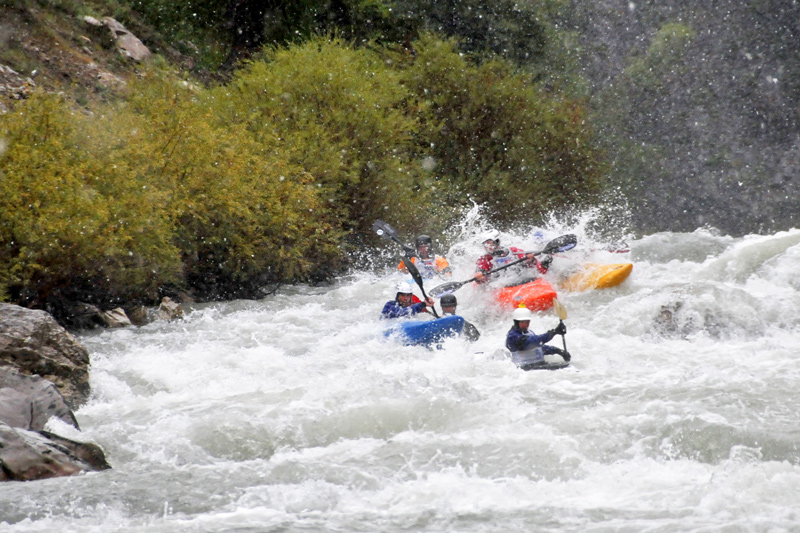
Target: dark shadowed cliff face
x: 698, y: 104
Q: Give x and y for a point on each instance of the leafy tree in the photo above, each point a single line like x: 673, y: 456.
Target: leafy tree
x: 339, y: 113
x: 75, y: 223
x: 497, y: 138
x: 243, y: 212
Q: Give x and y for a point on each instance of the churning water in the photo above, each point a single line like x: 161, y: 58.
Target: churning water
x: 294, y: 414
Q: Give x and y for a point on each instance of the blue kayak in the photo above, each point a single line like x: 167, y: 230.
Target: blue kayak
x: 425, y: 332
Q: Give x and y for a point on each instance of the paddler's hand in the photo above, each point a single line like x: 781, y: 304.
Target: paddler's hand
x: 560, y: 329
x: 429, y: 301
x: 479, y: 277
x: 500, y: 252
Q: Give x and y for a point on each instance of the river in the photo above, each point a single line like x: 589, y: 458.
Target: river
x: 294, y: 413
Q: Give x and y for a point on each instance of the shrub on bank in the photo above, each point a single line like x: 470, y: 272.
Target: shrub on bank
x: 244, y: 214
x: 75, y: 219
x: 340, y: 114
x: 499, y: 139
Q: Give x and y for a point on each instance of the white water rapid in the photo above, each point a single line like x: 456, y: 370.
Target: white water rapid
x: 294, y: 414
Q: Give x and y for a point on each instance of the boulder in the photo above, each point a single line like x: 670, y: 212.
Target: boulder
x: 28, y: 402
x: 169, y: 309
x: 127, y: 43
x: 32, y: 342
x: 27, y: 455
x: 137, y: 315
x: 115, y: 318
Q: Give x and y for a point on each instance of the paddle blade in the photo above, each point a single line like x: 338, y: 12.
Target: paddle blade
x: 561, y: 311
x: 565, y: 241
x: 412, y: 269
x: 446, y: 288
x: 384, y: 230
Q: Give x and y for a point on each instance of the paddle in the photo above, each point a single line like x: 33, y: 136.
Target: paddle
x: 561, y: 311
x: 412, y: 269
x: 553, y: 246
x: 385, y: 231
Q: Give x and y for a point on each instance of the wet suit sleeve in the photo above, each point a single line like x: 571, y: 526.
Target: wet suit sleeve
x: 484, y: 264
x: 392, y: 309
x: 516, y: 340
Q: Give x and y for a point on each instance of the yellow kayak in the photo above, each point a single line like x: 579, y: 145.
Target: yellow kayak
x: 597, y: 276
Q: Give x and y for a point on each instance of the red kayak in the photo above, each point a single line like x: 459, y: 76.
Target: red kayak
x: 537, y: 295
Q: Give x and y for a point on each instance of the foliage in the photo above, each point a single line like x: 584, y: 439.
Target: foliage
x: 196, y: 28
x: 339, y: 113
x: 74, y: 219
x: 497, y: 138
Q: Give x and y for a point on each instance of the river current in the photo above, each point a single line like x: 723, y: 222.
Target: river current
x: 294, y: 414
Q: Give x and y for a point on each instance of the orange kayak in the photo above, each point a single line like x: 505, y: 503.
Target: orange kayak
x: 597, y: 276
x: 538, y: 295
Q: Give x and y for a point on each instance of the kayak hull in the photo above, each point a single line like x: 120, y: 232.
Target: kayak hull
x: 545, y: 366
x: 425, y: 332
x: 537, y: 295
x: 597, y: 276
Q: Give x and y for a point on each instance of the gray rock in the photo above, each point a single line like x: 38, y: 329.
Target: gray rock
x: 115, y: 318
x: 169, y: 309
x: 32, y: 342
x: 28, y: 402
x: 128, y: 44
x: 27, y: 455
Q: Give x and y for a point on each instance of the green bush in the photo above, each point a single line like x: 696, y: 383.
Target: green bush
x: 244, y: 214
x: 498, y: 139
x: 340, y: 114
x: 75, y: 220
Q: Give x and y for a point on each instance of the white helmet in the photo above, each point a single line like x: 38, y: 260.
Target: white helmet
x: 492, y: 235
x: 405, y: 287
x: 522, y: 313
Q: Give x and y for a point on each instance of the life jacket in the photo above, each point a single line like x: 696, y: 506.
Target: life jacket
x: 528, y: 357
x: 488, y: 261
x: 428, y: 267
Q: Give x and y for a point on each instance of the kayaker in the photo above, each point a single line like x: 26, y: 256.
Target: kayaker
x: 429, y: 265
x: 497, y: 256
x: 449, y: 304
x: 527, y: 348
x: 403, y: 303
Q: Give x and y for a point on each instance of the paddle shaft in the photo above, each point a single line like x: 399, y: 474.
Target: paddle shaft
x: 412, y: 269
x: 551, y: 247
x: 561, y: 311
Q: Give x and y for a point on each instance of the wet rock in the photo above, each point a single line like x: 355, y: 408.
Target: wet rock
x: 169, y: 309
x: 28, y: 402
x: 115, y: 318
x: 79, y: 315
x: 138, y: 315
x: 32, y: 342
x: 28, y: 455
